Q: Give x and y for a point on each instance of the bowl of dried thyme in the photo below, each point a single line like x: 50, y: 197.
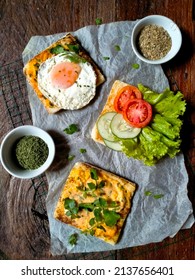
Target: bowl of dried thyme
x: 156, y: 39
x: 27, y: 151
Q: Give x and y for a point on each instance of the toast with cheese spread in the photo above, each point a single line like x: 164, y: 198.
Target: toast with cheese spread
x: 68, y: 43
x: 95, y: 201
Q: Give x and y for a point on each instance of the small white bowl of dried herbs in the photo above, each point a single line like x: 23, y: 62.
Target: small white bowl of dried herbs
x: 27, y: 151
x: 156, y: 39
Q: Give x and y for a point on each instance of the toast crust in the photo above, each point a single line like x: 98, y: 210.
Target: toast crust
x: 31, y: 68
x: 116, y: 189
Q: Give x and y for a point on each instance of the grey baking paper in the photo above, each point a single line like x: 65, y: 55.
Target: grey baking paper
x: 150, y: 219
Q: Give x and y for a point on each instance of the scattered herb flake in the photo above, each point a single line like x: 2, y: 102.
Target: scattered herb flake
x: 156, y: 196
x: 98, y: 21
x: 71, y: 129
x: 82, y: 151
x: 71, y: 157
x: 57, y: 49
x: 73, y: 239
x: 117, y: 47
x: 135, y: 66
x: 106, y: 57
x: 148, y: 193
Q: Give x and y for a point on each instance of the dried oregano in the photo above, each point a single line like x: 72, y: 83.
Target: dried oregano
x: 31, y: 152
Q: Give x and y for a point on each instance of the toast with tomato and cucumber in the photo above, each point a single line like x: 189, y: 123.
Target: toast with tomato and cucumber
x: 141, y: 123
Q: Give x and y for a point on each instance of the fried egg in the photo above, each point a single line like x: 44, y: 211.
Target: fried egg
x: 67, y: 80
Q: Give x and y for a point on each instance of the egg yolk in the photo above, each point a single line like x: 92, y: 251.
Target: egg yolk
x: 64, y: 74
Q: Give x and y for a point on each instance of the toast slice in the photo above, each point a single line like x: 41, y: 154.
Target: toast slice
x: 69, y: 43
x: 95, y: 201
x: 108, y: 107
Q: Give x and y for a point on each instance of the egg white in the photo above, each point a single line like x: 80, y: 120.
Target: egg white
x: 76, y: 96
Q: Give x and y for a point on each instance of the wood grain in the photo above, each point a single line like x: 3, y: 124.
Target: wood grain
x: 24, y: 232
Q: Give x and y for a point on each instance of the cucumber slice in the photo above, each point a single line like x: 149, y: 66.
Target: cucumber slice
x: 103, y: 126
x: 122, y: 129
x: 113, y: 145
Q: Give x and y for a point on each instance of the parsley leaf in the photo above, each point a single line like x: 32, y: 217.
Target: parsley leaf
x: 71, y: 206
x: 98, y: 21
x: 106, y: 57
x: 73, y: 239
x: 57, y: 49
x: 71, y: 157
x: 110, y: 217
x: 135, y: 66
x: 74, y: 48
x: 117, y: 47
x: 156, y: 196
x: 93, y: 173
x: 82, y: 151
x: 72, y: 128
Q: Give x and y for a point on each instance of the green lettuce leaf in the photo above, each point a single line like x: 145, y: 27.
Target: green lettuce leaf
x: 172, y: 105
x: 161, y: 125
x: 150, y: 96
x: 162, y: 136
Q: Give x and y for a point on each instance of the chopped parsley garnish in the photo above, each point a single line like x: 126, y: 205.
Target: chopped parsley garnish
x: 72, y: 128
x: 74, y: 48
x: 135, y: 66
x: 57, y: 49
x: 71, y: 157
x: 117, y: 47
x: 71, y: 206
x: 156, y: 196
x: 73, y: 239
x: 82, y: 151
x: 106, y: 57
x: 98, y: 21
x: 71, y: 54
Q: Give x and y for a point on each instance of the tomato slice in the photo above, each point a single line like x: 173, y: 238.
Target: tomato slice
x: 124, y: 95
x: 138, y: 113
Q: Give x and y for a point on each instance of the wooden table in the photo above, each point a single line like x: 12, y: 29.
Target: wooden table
x: 24, y: 231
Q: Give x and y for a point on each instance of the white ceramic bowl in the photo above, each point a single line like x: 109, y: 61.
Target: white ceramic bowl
x: 7, y: 157
x: 169, y: 26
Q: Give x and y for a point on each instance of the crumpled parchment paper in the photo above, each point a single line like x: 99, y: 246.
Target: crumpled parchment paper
x: 150, y: 219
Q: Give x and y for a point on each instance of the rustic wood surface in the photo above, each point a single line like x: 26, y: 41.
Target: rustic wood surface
x: 24, y: 231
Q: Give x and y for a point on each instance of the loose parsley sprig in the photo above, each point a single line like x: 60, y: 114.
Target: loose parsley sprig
x: 72, y: 240
x: 72, y: 128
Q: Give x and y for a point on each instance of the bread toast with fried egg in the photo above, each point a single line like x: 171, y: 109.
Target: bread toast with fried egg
x: 69, y: 43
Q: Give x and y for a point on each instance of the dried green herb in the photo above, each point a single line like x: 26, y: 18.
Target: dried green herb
x: 31, y: 152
